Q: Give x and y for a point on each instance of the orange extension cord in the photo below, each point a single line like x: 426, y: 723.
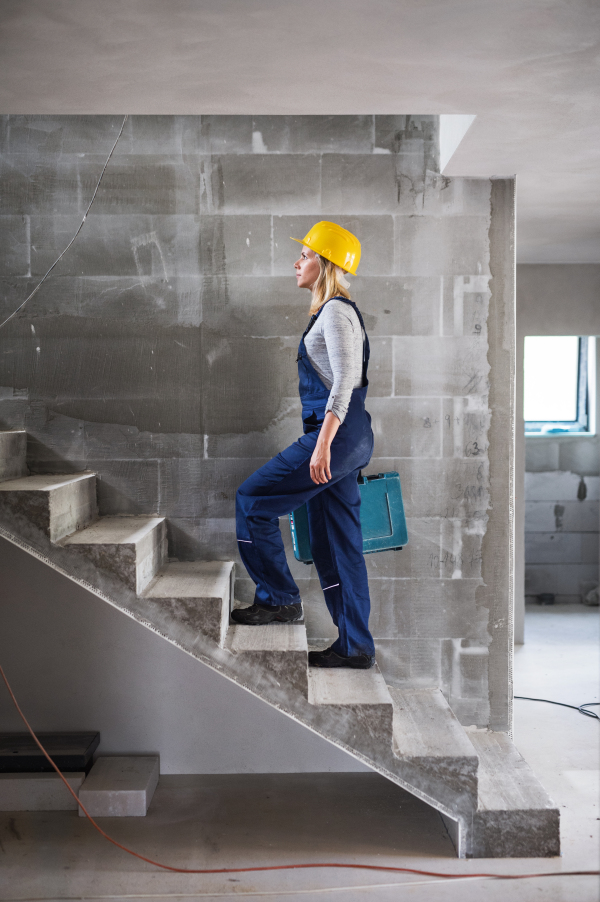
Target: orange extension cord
x: 279, y: 867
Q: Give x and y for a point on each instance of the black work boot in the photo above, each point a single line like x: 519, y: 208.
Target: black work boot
x: 258, y: 614
x: 330, y: 658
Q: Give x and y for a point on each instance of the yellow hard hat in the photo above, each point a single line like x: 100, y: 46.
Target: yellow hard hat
x: 331, y: 241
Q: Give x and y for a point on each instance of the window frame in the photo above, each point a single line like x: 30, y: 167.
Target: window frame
x: 581, y: 425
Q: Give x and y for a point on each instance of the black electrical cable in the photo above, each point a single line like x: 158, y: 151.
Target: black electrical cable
x: 42, y: 280
x: 581, y: 708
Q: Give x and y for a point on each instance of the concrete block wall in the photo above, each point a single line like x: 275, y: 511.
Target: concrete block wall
x: 562, y: 520
x: 161, y: 351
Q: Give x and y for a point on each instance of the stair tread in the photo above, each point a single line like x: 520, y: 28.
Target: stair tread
x: 506, y: 782
x: 115, y: 531
x: 43, y: 483
x: 344, y: 686
x: 191, y: 579
x: 284, y: 637
x: 426, y: 727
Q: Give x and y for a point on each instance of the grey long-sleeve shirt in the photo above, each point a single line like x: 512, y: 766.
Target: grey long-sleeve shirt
x: 334, y: 346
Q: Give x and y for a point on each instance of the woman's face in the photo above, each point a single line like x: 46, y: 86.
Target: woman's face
x: 307, y: 268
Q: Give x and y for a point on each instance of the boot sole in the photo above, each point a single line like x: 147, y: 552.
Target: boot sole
x: 275, y: 619
x: 342, y: 666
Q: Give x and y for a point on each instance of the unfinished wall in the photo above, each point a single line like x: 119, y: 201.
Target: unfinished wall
x: 561, y: 534
x: 161, y: 351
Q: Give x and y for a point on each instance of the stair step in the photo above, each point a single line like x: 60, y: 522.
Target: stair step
x: 344, y: 686
x: 276, y: 637
x: 279, y: 647
x: 426, y: 727
x: 360, y: 698
x: 57, y: 504
x: 436, y: 753
x: 13, y: 450
x: 196, y: 593
x: 120, y: 786
x: 132, y: 548
x: 515, y: 815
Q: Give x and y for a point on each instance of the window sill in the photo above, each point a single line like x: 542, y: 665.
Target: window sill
x: 560, y: 435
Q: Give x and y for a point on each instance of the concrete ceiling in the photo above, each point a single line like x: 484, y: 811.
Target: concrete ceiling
x: 527, y: 69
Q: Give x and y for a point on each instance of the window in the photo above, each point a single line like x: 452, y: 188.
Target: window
x: 559, y: 373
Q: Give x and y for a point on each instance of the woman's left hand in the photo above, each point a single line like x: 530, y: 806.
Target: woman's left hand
x: 320, y: 462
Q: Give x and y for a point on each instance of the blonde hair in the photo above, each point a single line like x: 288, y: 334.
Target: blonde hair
x: 328, y: 284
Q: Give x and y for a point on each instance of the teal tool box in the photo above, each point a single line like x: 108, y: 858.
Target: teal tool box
x: 381, y: 518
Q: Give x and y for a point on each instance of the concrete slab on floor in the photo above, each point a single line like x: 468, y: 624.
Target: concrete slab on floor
x: 38, y: 792
x: 121, y: 786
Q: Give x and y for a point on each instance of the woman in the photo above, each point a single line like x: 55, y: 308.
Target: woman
x: 322, y: 467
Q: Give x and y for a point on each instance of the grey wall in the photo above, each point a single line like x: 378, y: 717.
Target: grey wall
x: 553, y: 300
x: 161, y: 351
x: 559, y: 299
x: 561, y: 533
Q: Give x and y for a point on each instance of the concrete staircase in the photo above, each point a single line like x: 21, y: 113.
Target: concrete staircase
x: 491, y: 802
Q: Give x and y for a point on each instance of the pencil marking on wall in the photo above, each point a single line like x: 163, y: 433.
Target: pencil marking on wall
x: 149, y: 259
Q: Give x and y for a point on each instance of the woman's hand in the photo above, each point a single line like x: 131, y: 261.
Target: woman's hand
x: 320, y: 462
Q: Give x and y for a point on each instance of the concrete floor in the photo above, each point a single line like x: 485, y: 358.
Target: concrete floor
x: 221, y: 821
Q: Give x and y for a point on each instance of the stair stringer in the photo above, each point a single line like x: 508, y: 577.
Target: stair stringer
x: 345, y: 726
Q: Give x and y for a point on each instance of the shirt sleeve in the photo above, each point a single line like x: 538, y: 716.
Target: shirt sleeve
x: 339, y: 334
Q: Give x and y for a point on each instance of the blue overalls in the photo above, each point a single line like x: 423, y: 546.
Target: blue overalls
x: 283, y: 484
